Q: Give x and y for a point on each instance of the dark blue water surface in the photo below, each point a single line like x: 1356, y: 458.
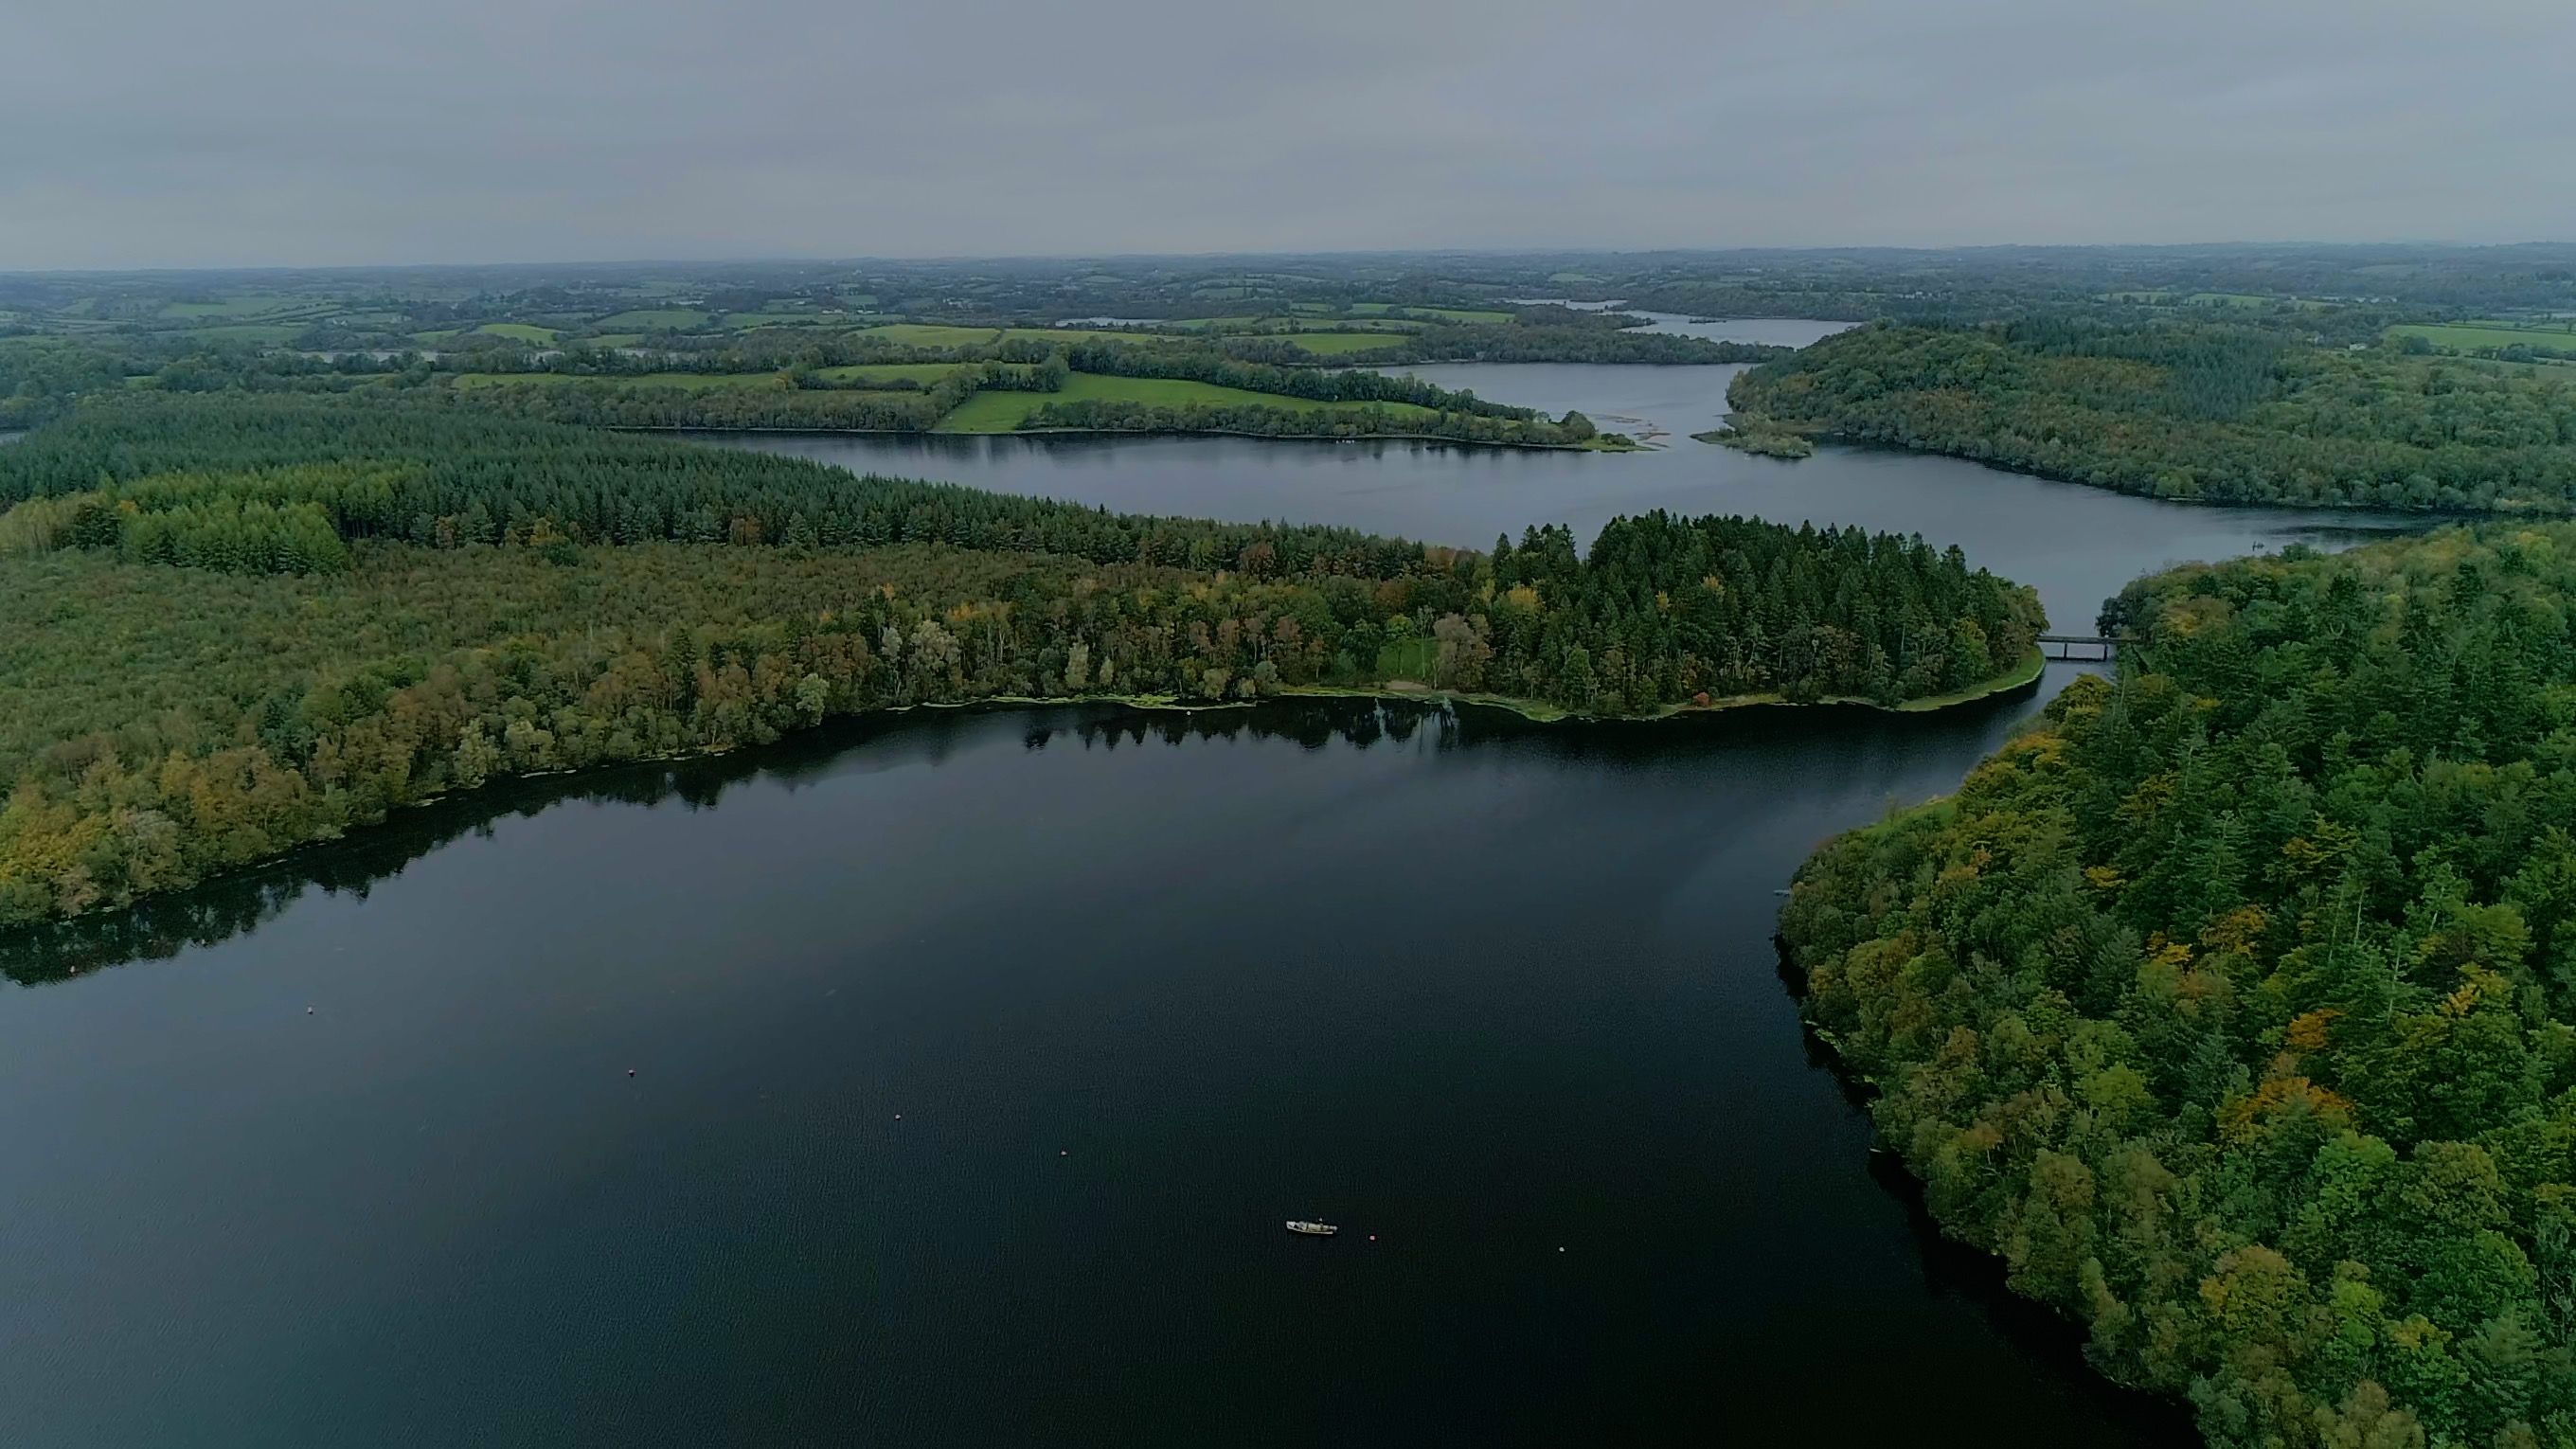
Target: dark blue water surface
x: 979, y: 1057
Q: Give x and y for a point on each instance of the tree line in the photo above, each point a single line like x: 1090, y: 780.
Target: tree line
x: 1117, y: 415
x: 443, y: 474
x: 488, y: 596
x: 2234, y: 1005
x: 2206, y: 411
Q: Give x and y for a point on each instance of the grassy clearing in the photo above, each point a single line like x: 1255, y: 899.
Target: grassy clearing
x: 740, y: 320
x: 518, y: 331
x: 1457, y: 314
x: 924, y: 373
x: 1001, y: 412
x: 931, y: 334
x: 236, y: 307
x: 1405, y: 664
x: 261, y: 332
x: 1071, y: 334
x: 2557, y: 334
x: 2026, y: 673
x: 1335, y: 344
x: 1403, y: 309
x: 641, y: 379
x: 1413, y: 659
x: 661, y: 319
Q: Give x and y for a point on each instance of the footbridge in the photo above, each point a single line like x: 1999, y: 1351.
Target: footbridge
x: 2088, y: 647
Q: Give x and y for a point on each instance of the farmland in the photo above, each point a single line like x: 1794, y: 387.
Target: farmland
x: 473, y: 380
x: 654, y: 319
x: 2557, y: 334
x: 924, y: 373
x: 1336, y: 344
x: 1001, y: 412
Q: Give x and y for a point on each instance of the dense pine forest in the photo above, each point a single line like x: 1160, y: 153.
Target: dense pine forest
x: 2208, y: 411
x: 2234, y: 1005
x: 257, y: 622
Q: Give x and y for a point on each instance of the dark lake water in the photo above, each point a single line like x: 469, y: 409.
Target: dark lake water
x: 979, y: 1057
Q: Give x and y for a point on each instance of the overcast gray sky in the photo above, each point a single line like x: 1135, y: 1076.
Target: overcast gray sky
x: 248, y: 132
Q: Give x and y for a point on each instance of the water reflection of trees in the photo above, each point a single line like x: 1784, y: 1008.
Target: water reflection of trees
x: 163, y: 926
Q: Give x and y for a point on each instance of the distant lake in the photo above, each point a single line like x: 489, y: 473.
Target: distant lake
x: 2076, y: 545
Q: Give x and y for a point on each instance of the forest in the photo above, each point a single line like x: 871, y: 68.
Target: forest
x: 2233, y: 1005
x: 2208, y: 411
x: 259, y: 622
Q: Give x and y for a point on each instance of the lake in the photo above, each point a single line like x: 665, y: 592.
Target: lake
x: 978, y: 1057
x: 2075, y: 545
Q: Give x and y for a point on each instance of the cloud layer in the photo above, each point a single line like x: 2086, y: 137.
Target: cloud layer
x: 165, y: 133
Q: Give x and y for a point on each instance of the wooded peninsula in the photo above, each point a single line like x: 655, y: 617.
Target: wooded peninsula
x: 265, y: 620
x: 2208, y: 411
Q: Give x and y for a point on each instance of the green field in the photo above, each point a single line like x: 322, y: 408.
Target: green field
x: 930, y: 334
x: 2555, y: 334
x: 242, y: 307
x: 665, y: 319
x: 1457, y: 314
x: 517, y: 331
x: 924, y: 373
x: 739, y: 320
x: 1001, y: 412
x: 1403, y: 309
x: 641, y: 379
x: 261, y: 332
x: 1071, y: 334
x: 1334, y: 344
x: 1415, y: 658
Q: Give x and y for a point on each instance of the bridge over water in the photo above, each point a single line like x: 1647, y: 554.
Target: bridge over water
x: 2080, y: 647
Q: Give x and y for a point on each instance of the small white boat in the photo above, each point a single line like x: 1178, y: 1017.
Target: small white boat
x: 1320, y: 1230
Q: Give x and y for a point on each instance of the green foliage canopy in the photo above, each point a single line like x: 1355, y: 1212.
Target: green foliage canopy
x: 255, y: 622
x: 2205, y: 411
x: 2234, y: 1005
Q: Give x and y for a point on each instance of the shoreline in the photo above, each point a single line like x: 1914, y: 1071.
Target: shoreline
x: 684, y: 434
x: 2024, y: 676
